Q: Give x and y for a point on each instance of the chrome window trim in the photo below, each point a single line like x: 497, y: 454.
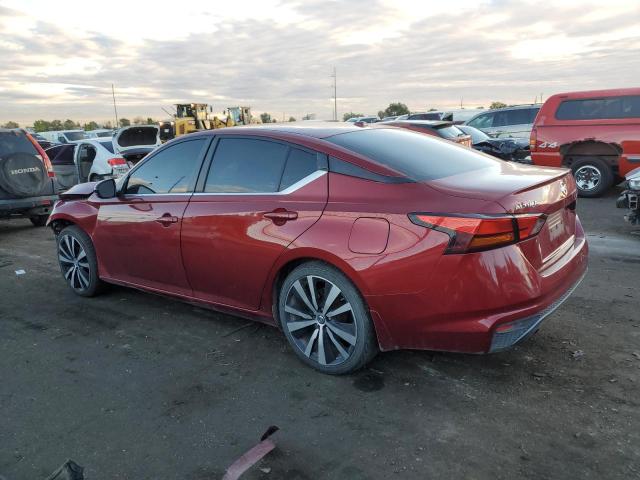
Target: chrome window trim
x: 296, y: 186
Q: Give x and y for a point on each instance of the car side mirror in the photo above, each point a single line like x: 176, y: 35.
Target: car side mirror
x: 106, y: 188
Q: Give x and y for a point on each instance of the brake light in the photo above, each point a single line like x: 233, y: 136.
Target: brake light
x: 45, y: 157
x: 475, y: 233
x: 116, y: 161
x: 533, y: 139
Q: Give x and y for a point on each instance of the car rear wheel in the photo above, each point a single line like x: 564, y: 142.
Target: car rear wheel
x: 78, y: 261
x: 39, y: 220
x: 593, y: 176
x: 325, y: 320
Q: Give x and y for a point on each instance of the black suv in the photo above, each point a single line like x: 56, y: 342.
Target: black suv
x: 27, y: 187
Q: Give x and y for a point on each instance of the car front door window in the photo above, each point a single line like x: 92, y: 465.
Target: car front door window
x: 171, y: 170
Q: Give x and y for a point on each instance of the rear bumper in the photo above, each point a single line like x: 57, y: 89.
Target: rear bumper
x: 512, y: 333
x: 472, y: 297
x: 27, y: 206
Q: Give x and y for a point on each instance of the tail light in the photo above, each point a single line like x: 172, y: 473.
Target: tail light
x: 533, y: 139
x: 45, y: 157
x: 475, y: 233
x: 116, y: 161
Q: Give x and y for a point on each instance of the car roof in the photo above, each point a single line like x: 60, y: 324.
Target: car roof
x: 429, y: 123
x: 613, y: 92
x: 314, y: 130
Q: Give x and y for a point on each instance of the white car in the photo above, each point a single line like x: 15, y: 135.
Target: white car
x: 93, y: 160
x: 100, y: 133
x: 64, y: 136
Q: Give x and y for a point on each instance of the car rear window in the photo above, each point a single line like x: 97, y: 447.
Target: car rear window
x: 419, y: 157
x: 15, y: 142
x: 449, y: 132
x: 73, y: 136
x: 600, y: 108
x: 108, y: 145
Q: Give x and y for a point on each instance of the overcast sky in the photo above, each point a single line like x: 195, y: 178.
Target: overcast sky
x: 58, y: 59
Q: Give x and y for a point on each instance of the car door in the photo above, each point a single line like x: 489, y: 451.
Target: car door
x: 515, y: 123
x: 137, y: 235
x: 63, y: 162
x: 258, y: 196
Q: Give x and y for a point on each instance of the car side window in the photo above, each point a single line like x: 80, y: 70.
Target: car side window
x: 300, y: 164
x: 171, y: 170
x: 483, y: 121
x: 246, y: 165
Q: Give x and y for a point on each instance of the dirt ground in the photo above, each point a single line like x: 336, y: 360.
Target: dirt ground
x: 136, y: 386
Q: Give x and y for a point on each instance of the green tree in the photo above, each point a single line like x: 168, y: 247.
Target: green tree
x: 108, y: 124
x: 125, y: 122
x: 56, y: 125
x: 11, y: 124
x: 309, y: 116
x: 349, y: 115
x: 69, y: 125
x: 395, y: 109
x: 138, y: 120
x: 41, y: 125
x: 292, y: 119
x: 150, y: 121
x: 265, y: 117
x: 432, y: 110
x: 495, y: 105
x: 380, y: 113
x: 91, y: 126
x: 480, y: 108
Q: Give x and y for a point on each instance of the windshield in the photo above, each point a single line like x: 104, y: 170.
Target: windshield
x: 417, y: 156
x: 73, y: 136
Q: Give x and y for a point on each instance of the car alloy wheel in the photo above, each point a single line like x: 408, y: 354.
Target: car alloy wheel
x: 74, y: 262
x: 320, y: 320
x: 588, y: 177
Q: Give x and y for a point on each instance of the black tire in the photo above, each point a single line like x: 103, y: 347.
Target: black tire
x: 594, y: 170
x: 85, y: 280
x: 351, y: 331
x: 39, y: 220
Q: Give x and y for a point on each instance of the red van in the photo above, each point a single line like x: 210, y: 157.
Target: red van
x: 595, y: 133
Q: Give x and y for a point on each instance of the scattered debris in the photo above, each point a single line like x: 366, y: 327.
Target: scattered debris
x: 539, y: 374
x: 266, y: 470
x: 576, y: 354
x: 69, y: 470
x: 251, y: 457
x: 636, y: 354
x: 20, y: 272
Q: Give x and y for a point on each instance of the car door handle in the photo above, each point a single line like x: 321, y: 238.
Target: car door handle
x: 167, y: 219
x: 280, y: 216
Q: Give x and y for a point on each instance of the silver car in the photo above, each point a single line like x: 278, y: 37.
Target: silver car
x: 514, y: 121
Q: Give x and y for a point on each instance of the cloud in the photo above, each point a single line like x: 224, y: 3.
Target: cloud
x: 482, y: 51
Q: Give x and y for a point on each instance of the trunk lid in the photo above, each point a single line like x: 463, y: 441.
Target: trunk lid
x: 138, y: 136
x: 522, y: 189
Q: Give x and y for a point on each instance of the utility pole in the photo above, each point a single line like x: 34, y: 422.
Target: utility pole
x: 335, y: 95
x: 115, y: 109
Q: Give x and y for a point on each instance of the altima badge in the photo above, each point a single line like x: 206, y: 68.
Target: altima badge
x: 523, y: 205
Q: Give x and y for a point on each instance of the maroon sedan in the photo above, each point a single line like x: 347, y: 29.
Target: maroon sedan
x: 352, y: 240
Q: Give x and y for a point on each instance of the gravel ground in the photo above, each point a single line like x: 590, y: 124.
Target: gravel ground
x: 136, y: 386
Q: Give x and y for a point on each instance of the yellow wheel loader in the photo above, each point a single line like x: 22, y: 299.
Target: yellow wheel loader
x: 196, y: 117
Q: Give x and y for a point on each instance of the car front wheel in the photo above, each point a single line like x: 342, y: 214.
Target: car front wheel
x: 78, y: 261
x: 325, y: 319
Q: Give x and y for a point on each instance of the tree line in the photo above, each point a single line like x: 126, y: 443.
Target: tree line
x: 68, y: 124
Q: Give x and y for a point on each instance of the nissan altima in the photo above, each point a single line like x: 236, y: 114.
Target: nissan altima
x: 352, y: 240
